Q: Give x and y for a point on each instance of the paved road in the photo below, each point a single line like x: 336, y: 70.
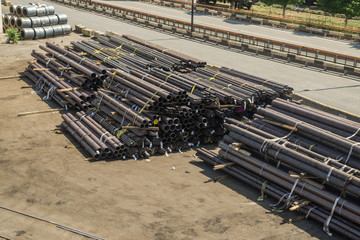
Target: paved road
x: 300, y: 38
x: 330, y: 88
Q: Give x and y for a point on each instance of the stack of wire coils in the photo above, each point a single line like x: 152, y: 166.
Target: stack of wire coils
x: 36, y: 21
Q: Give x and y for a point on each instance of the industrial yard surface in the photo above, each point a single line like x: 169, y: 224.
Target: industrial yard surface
x: 330, y: 88
x: 115, y: 200
x: 44, y: 173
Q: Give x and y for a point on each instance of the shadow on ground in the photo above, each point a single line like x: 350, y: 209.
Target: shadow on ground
x: 314, y: 228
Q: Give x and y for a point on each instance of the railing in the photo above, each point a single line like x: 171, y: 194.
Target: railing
x: 291, y: 52
x: 221, y: 10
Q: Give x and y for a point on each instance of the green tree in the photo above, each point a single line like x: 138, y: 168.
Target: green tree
x: 283, y: 3
x: 350, y: 8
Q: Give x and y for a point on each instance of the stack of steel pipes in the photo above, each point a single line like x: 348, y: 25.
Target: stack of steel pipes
x: 153, y: 100
x: 131, y: 54
x: 305, y: 158
x: 36, y: 21
x: 216, y: 87
x: 65, y: 77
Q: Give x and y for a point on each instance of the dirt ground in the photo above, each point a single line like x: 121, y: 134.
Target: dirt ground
x: 114, y: 200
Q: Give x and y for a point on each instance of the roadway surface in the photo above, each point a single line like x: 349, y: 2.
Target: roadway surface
x: 330, y: 88
x: 289, y: 36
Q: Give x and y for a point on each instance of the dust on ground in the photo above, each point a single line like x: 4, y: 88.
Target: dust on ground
x: 120, y: 199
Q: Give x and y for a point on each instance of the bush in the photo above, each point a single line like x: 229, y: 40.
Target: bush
x: 13, y: 34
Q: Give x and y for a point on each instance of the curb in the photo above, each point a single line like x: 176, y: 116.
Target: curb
x: 326, y: 108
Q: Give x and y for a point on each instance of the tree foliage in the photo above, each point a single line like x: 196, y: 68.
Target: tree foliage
x: 350, y: 8
x: 283, y: 3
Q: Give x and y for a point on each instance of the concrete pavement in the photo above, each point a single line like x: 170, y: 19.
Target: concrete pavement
x: 331, y: 88
x: 299, y: 38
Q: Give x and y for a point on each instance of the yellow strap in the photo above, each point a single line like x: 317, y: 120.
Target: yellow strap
x: 243, y: 85
x: 228, y: 86
x: 213, y: 77
x: 133, y: 121
x: 120, y: 132
x: 110, y: 57
x: 95, y: 51
x: 168, y: 77
x: 113, y: 75
x: 312, y: 146
x: 119, y: 47
x: 278, y: 164
x: 193, y: 88
x: 98, y: 106
x: 134, y: 50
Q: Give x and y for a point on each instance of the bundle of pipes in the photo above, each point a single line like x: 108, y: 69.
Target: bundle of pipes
x: 294, y: 147
x: 133, y: 55
x: 65, y: 77
x: 290, y: 192
x: 191, y: 61
x: 93, y: 137
x: 203, y: 83
x: 267, y: 85
x: 144, y: 101
x: 36, y: 21
x: 317, y: 131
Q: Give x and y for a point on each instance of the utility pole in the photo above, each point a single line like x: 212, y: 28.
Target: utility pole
x: 192, y: 15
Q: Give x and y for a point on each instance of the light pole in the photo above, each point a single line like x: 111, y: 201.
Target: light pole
x: 192, y: 15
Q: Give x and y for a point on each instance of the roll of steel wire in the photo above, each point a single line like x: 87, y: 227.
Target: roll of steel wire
x: 29, y: 11
x: 50, y: 10
x: 45, y: 21
x: 27, y: 33
x: 23, y: 22
x: 62, y: 18
x: 58, y: 30
x: 66, y: 29
x: 49, y: 31
x: 13, y: 9
x: 54, y: 20
x: 35, y: 22
x: 13, y: 21
x: 6, y: 20
x: 39, y: 33
x: 40, y: 11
